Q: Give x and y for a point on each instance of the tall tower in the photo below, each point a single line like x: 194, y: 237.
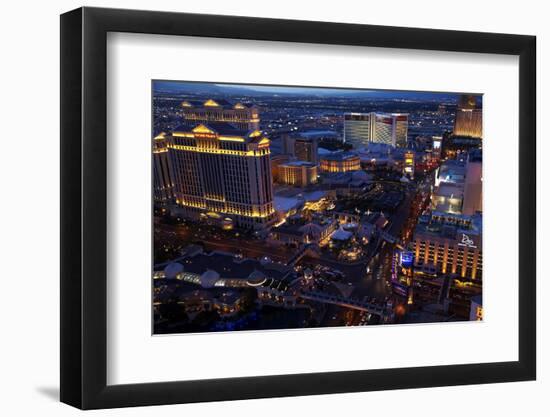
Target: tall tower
x: 473, y: 201
x: 163, y: 183
x: 468, y: 120
x: 222, y: 173
x: 359, y: 128
x: 384, y: 131
x: 389, y: 128
x: 401, y: 129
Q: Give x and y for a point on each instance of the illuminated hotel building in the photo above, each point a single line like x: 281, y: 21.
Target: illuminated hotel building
x: 468, y: 120
x: 297, y: 173
x: 240, y: 115
x: 340, y: 162
x: 276, y: 162
x: 450, y: 243
x: 222, y: 173
x: 362, y: 128
x: 358, y: 129
x: 163, y: 187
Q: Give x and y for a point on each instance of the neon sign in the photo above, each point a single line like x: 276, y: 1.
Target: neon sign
x: 406, y: 259
x: 467, y: 241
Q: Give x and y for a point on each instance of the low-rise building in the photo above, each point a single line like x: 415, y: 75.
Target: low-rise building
x: 300, y: 231
x: 340, y: 162
x: 219, y: 270
x: 297, y: 173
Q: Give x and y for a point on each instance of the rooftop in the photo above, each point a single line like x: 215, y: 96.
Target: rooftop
x: 339, y: 156
x: 228, y: 266
x: 298, y: 164
x: 449, y: 225
x: 226, y: 104
x: 219, y: 128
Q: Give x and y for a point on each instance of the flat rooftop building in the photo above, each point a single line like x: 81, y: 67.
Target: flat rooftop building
x: 297, y: 173
x: 218, y: 269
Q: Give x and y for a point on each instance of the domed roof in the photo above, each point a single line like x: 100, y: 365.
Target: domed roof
x: 172, y: 270
x: 341, y: 234
x: 256, y: 275
x: 311, y: 228
x: 209, y: 278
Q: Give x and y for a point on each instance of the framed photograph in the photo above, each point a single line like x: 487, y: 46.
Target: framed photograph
x: 257, y: 208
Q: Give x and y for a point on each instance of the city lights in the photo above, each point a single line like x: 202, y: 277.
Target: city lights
x: 284, y: 209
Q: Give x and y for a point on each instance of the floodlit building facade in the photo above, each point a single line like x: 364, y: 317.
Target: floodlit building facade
x: 340, y: 162
x: 297, y: 173
x: 362, y: 128
x: 469, y: 119
x: 450, y: 243
x: 358, y: 129
x: 222, y: 173
x: 163, y: 185
x: 238, y: 114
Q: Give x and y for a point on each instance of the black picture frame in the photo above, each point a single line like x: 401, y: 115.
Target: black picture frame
x: 84, y: 207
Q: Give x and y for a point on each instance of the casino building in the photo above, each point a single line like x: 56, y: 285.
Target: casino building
x: 468, y: 121
x: 340, y: 162
x: 163, y: 185
x: 388, y: 128
x: 222, y: 174
x: 450, y: 244
x: 238, y: 114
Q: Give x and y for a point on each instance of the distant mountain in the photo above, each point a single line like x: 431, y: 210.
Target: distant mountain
x: 263, y: 90
x: 186, y: 87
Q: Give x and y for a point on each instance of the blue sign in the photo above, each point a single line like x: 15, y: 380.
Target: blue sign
x: 406, y: 259
x: 400, y: 289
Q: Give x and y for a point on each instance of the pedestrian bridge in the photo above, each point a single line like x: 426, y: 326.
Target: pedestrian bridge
x: 348, y: 302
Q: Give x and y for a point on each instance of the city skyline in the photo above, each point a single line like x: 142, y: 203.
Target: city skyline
x: 300, y: 207
x: 162, y: 86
